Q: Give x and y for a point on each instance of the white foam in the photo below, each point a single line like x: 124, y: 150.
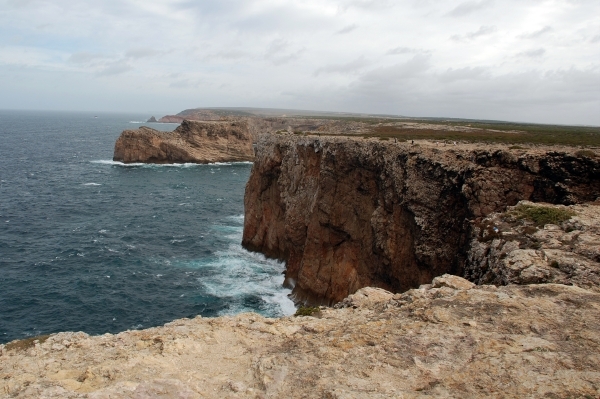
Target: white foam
x: 235, y: 274
x: 92, y: 184
x: 172, y: 165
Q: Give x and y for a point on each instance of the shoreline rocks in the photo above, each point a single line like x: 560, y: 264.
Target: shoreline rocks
x: 191, y: 142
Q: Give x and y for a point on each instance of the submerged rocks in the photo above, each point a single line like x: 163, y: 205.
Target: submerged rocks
x: 532, y: 341
x: 193, y: 142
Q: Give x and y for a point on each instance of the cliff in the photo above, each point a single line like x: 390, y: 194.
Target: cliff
x: 194, y: 142
x: 348, y: 213
x: 537, y: 243
x: 447, y: 339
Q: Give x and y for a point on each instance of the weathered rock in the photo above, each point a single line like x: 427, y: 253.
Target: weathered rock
x: 537, y: 341
x: 194, y: 142
x: 152, y: 120
x: 365, y: 297
x: 509, y: 250
x: 451, y: 281
x: 348, y: 213
x: 171, y: 119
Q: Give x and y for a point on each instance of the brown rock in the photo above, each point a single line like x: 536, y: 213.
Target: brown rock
x: 454, y: 282
x: 194, y: 142
x: 522, y: 253
x: 348, y: 213
x: 171, y: 119
x: 532, y: 341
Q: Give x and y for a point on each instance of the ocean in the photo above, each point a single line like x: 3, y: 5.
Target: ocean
x: 88, y: 244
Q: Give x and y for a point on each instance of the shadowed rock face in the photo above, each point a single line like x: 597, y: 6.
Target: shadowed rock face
x: 351, y: 213
x: 194, y: 142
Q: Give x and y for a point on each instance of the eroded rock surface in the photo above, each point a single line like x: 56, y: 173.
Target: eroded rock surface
x: 192, y: 141
x: 537, y: 341
x: 506, y: 249
x: 348, y: 213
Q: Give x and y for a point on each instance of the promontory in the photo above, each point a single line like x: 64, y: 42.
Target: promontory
x: 191, y: 142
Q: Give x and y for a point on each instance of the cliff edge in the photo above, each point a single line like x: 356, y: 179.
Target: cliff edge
x: 449, y: 339
x: 347, y: 213
x: 192, y: 141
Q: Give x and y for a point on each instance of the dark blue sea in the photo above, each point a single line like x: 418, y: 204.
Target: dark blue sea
x: 88, y: 244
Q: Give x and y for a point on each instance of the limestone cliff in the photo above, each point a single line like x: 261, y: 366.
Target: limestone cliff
x: 349, y: 213
x: 194, y: 142
x: 448, y: 339
x: 510, y: 248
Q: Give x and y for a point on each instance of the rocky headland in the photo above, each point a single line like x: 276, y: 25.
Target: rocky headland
x: 347, y: 213
x: 383, y: 230
x: 191, y: 142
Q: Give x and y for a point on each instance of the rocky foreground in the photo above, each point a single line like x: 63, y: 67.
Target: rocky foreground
x: 191, y: 142
x: 447, y: 339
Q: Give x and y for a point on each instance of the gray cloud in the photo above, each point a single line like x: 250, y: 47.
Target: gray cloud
x: 84, y: 58
x: 469, y: 7
x: 141, y: 53
x: 347, y: 29
x: 533, y: 53
x: 536, y: 34
x: 389, y: 82
x: 482, y: 31
x: 404, y: 50
x: 366, y: 5
x: 595, y: 39
x: 278, y: 52
x: 349, y: 67
x: 468, y: 73
x: 115, y: 68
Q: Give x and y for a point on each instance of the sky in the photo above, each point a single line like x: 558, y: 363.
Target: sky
x: 515, y: 60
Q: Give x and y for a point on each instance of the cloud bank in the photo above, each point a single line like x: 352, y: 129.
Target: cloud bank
x: 535, y: 61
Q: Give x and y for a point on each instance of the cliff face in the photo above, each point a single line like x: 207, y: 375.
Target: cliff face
x: 194, y: 142
x: 350, y: 213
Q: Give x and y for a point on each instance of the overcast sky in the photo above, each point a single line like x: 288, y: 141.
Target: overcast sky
x: 518, y: 60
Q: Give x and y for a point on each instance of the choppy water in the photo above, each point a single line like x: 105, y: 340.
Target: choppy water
x: 87, y: 244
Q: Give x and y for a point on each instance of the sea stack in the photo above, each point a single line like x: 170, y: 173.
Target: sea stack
x: 152, y: 120
x: 191, y: 142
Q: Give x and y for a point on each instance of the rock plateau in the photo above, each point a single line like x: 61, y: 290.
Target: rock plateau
x: 192, y: 141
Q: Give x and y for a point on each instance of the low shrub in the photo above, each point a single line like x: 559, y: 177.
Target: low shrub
x: 307, y: 311
x: 586, y: 153
x: 24, y: 344
x: 543, y: 215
